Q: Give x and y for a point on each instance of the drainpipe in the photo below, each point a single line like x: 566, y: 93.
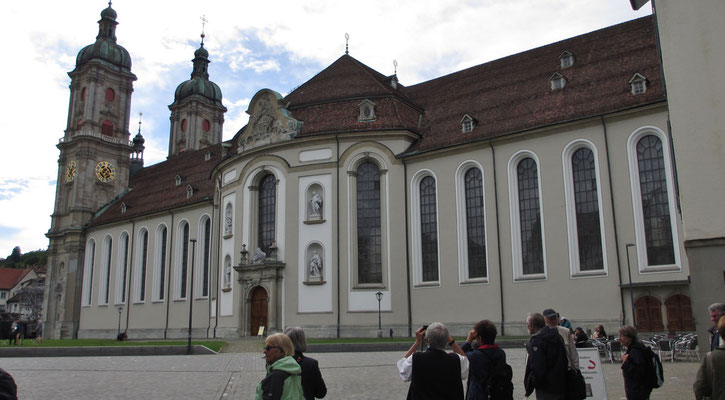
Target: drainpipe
x: 614, y: 217
x: 498, y: 236
x: 130, y: 273
x: 407, y: 248
x: 218, y: 250
x: 168, y: 273
x: 337, y: 218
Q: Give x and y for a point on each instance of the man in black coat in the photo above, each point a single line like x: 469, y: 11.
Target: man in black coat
x: 547, y: 362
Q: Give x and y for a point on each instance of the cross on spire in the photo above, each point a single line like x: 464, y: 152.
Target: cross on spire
x: 347, y: 39
x: 203, y: 24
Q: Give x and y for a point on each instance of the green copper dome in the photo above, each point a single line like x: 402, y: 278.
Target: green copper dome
x: 199, y: 82
x: 105, y: 48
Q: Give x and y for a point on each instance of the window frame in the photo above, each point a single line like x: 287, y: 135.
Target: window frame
x: 122, y: 258
x: 88, y: 266
x: 462, y: 224
x: 571, y: 215
x: 140, y: 269
x: 181, y: 267
x: 161, y: 265
x: 416, y: 229
x: 515, y: 219
x: 640, y: 239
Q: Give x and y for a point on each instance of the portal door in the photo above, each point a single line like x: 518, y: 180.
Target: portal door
x: 679, y: 313
x: 259, y: 310
x: 649, y: 314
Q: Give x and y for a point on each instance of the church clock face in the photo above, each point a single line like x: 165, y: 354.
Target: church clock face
x: 70, y: 171
x: 105, y: 171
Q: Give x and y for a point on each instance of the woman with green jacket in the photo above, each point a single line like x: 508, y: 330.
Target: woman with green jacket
x: 283, y: 380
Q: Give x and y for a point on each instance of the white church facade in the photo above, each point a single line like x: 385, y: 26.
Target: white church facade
x: 543, y: 179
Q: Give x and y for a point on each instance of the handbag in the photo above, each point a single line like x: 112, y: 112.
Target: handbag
x: 576, y: 388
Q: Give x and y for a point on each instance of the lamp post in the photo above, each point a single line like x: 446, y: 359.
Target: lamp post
x: 191, y: 291
x: 631, y: 288
x: 379, y: 296
x: 120, y: 310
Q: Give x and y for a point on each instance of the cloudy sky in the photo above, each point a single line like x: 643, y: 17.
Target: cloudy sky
x: 276, y: 44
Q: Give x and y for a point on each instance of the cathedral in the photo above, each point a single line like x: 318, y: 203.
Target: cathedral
x: 355, y: 204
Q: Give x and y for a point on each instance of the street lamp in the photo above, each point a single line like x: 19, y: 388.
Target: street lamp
x: 631, y: 288
x: 379, y: 296
x: 120, y: 310
x: 191, y: 292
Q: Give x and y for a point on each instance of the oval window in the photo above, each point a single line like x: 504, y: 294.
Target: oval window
x: 183, y: 125
x: 206, y: 125
x: 83, y: 94
x: 110, y: 94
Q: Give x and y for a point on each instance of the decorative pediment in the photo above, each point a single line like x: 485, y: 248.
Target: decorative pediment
x: 269, y: 121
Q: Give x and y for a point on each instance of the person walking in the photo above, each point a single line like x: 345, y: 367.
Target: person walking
x: 710, y: 381
x: 635, y: 365
x: 39, y: 329
x: 313, y: 386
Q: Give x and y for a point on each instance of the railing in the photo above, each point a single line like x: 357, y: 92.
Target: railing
x: 88, y: 133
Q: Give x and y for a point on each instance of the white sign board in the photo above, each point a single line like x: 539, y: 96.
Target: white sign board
x: 591, y: 367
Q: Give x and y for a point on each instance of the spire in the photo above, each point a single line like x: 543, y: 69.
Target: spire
x: 107, y: 24
x: 201, y: 56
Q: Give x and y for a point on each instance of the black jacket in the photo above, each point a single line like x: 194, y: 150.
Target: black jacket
x: 480, y: 363
x: 436, y: 376
x: 636, y: 372
x: 313, y: 385
x: 547, y: 363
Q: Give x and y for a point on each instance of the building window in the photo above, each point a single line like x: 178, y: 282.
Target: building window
x: 183, y: 266
x: 105, y: 289
x: 267, y: 207
x: 107, y: 128
x: 467, y: 124
x: 655, y: 202
x: 206, y: 125
x: 122, y: 269
x: 429, y: 229
x: 88, y: 272
x: 189, y: 191
x: 566, y: 59
x: 638, y: 84
x: 160, y: 264
x: 475, y: 229
x: 203, y: 285
x: 178, y: 180
x: 367, y: 111
x: 557, y: 81
x: 140, y: 281
x: 110, y: 95
x: 369, y: 238
x: 526, y: 219
x: 584, y: 217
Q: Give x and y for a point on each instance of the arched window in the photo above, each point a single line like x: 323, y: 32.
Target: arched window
x: 526, y: 219
x: 182, y: 261
x: 202, y: 287
x: 88, y: 272
x: 104, y: 290
x: 140, y: 281
x: 653, y: 200
x: 655, y: 203
x: 122, y: 268
x: 475, y: 229
x: 160, y: 264
x: 584, y: 218
x: 369, y: 246
x: 429, y: 229
x: 267, y: 207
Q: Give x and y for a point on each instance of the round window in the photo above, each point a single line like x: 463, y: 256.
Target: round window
x: 206, y: 125
x: 110, y: 94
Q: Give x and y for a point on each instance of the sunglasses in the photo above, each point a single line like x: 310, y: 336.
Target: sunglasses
x: 268, y: 348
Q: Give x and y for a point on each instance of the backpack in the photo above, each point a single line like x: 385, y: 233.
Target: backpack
x: 500, y: 385
x: 655, y: 375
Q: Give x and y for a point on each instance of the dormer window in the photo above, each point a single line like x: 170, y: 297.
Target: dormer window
x: 566, y: 59
x: 467, y: 123
x: 178, y: 180
x: 638, y: 84
x: 557, y: 81
x: 394, y: 81
x: 189, y: 191
x: 207, y: 156
x: 123, y: 208
x: 367, y: 111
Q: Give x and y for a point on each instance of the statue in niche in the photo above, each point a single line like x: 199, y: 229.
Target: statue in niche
x: 315, y: 265
x: 228, y: 221
x: 316, y: 205
x: 259, y: 256
x: 227, y: 275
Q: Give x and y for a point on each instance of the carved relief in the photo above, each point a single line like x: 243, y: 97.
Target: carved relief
x: 270, y: 122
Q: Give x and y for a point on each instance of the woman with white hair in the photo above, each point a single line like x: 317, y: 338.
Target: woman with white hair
x: 313, y: 385
x: 434, y: 374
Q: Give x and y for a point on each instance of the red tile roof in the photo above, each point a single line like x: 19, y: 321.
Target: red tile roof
x: 154, y: 189
x: 9, y: 277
